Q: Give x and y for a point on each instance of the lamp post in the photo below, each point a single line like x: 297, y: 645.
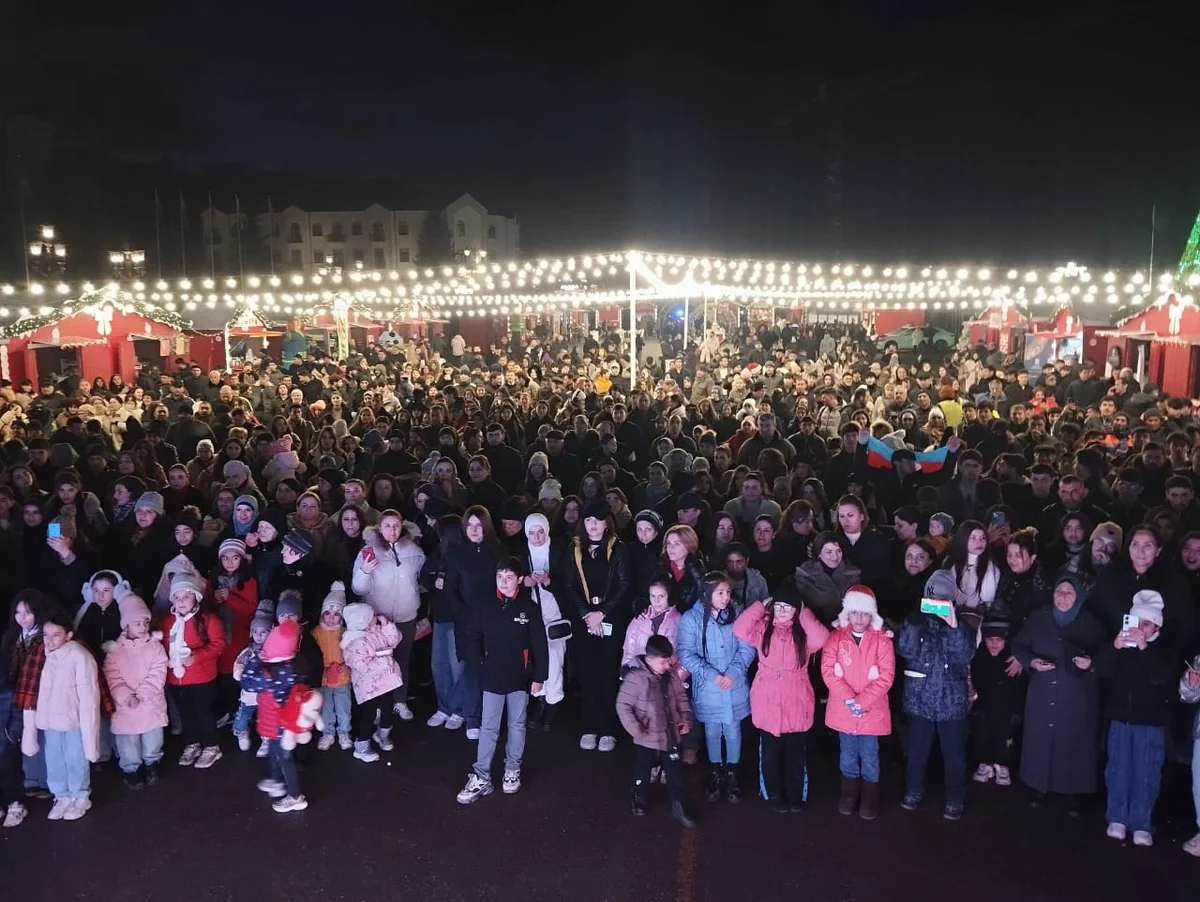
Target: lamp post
x: 127, y: 263
x: 47, y: 257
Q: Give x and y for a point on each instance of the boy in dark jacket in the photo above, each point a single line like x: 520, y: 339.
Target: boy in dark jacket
x: 507, y: 638
x: 997, y: 679
x: 653, y: 706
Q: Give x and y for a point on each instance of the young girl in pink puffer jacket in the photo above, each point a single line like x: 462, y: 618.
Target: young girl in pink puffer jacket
x: 367, y: 648
x: 135, y: 667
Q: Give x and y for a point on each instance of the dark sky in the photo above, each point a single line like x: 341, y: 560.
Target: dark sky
x: 1032, y: 131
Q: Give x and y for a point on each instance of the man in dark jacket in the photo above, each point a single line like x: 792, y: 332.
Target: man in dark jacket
x: 507, y: 467
x: 187, y: 432
x: 507, y: 639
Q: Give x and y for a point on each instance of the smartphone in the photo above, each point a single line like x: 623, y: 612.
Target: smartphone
x: 606, y: 628
x: 936, y: 607
x: 54, y: 530
x: 1129, y: 622
x: 368, y: 554
x: 997, y: 518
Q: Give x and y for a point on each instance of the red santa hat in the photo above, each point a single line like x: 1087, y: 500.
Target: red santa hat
x: 859, y: 600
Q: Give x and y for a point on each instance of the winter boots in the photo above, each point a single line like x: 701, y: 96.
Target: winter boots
x: 848, y: 797
x: 868, y: 810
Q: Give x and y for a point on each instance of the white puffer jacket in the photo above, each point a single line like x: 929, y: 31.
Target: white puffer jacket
x: 392, y: 589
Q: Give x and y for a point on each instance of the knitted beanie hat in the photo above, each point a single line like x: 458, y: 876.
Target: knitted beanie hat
x: 336, y: 599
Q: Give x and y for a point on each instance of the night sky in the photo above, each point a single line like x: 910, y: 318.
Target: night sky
x: 1013, y: 134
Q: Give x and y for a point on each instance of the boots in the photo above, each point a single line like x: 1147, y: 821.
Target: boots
x: 869, y: 809
x: 536, y: 715
x: 548, y: 716
x: 733, y: 792
x: 639, y: 802
x: 712, y: 787
x: 848, y: 798
x: 680, y: 814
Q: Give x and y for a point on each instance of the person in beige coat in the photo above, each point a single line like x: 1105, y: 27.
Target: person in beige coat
x: 68, y: 714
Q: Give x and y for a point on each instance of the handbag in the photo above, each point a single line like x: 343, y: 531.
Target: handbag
x: 558, y: 629
x: 422, y: 629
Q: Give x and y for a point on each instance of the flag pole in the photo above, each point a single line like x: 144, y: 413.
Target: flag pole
x: 157, y: 234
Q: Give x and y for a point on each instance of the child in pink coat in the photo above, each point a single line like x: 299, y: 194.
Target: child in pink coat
x: 786, y: 635
x: 859, y: 666
x: 367, y: 646
x: 136, y: 670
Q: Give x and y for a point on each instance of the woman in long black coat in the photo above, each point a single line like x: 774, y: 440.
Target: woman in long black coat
x: 1062, y: 707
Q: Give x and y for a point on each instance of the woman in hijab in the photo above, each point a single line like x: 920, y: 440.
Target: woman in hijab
x: 542, y: 555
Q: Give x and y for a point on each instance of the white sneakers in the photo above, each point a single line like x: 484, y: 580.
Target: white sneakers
x: 244, y: 741
x: 455, y: 722
x: 325, y: 743
x: 1192, y: 846
x: 15, y: 814
x: 984, y: 774
x: 477, y: 787
x: 1003, y: 777
x: 263, y: 750
x: 345, y: 743
x: 274, y: 788
x: 59, y: 809
x: 1116, y: 831
x: 401, y: 710
x: 190, y: 754
x: 1143, y: 838
x: 290, y: 803
x: 607, y: 743
x: 587, y: 742
x: 438, y: 720
x: 472, y: 733
x: 209, y: 756
x: 76, y: 809
x: 364, y: 752
x: 512, y: 782
x: 383, y: 739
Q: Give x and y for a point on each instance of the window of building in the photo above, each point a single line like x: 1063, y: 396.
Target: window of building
x: 462, y: 229
x: 274, y: 229
x: 339, y: 258
x: 403, y: 256
x: 359, y: 256
x: 380, y: 263
x: 294, y: 233
x: 356, y: 229
x: 402, y: 228
x: 336, y: 233
x: 216, y: 236
x: 297, y: 258
x: 377, y: 231
x: 492, y: 232
x: 318, y: 230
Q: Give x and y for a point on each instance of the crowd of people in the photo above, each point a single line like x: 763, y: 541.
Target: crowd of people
x: 776, y: 541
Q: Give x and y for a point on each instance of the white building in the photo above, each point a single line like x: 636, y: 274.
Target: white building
x: 372, y: 239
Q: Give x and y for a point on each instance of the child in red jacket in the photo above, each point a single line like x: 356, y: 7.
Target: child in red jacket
x: 194, y: 640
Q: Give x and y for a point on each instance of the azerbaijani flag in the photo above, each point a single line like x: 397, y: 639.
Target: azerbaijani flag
x: 879, y: 455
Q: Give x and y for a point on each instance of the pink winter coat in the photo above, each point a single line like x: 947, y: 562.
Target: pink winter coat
x: 781, y: 698
x: 641, y: 629
x: 137, y: 668
x: 859, y: 670
x: 368, y: 654
x: 69, y: 695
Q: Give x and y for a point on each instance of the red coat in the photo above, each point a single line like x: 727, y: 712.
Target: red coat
x: 201, y: 667
x: 859, y: 670
x: 240, y: 604
x: 781, y: 698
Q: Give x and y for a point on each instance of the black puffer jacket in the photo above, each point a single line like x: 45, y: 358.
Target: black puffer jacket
x: 688, y: 590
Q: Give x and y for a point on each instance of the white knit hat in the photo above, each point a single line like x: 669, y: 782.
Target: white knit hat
x: 336, y: 599
x: 859, y: 599
x: 1148, y: 605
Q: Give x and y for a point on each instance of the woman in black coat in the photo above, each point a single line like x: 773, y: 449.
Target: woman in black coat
x: 1062, y: 707
x: 864, y: 546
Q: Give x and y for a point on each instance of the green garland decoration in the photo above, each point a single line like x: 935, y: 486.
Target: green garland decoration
x: 61, y: 308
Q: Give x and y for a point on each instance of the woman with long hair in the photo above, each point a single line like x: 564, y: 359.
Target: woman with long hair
x: 1023, y: 582
x: 683, y: 565
x: 975, y: 570
x: 824, y: 580
x: 445, y: 664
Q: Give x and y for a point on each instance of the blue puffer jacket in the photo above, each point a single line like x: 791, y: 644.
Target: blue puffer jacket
x: 937, y: 661
x: 707, y: 649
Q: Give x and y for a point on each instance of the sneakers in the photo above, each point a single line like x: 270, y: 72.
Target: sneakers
x: 208, y: 757
x: 1116, y: 831
x: 59, y: 809
x: 587, y: 742
x: 607, y: 743
x: 680, y: 814
x: 985, y: 773
x: 290, y: 803
x: 16, y: 813
x: 36, y: 792
x: 733, y: 792
x: 224, y: 720
x: 263, y: 750
x: 345, y: 743
x: 1003, y: 777
x: 438, y: 720
x: 151, y: 774
x: 638, y: 805
x: 953, y: 812
x: 325, y: 743
x: 910, y: 802
x: 1192, y: 846
x: 477, y: 787
x: 133, y: 779
x: 402, y: 710
x: 1143, y: 838
x: 190, y: 754
x: 383, y: 739
x: 364, y: 752
x: 472, y: 733
x: 243, y: 741
x: 274, y: 788
x: 76, y: 808
x: 512, y: 782
x: 455, y: 722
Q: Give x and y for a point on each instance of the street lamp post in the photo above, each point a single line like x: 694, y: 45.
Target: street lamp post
x: 127, y: 263
x: 47, y: 257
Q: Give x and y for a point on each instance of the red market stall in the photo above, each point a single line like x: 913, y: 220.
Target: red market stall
x: 111, y: 334
x: 1162, y: 345
x: 1000, y: 326
x: 1070, y: 333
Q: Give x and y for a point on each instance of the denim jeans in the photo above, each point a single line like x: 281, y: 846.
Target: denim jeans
x: 1196, y: 779
x: 139, y: 748
x: 106, y: 739
x: 859, y: 757
x: 493, y: 708
x: 335, y: 710
x: 68, y: 773
x: 953, y: 736
x: 244, y: 717
x: 282, y: 768
x: 447, y: 670
x: 1135, y: 760
x: 733, y: 742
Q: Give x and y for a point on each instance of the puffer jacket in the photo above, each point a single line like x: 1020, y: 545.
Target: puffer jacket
x: 863, y: 670
x: 822, y: 590
x: 642, y: 628
x: 643, y: 711
x: 937, y: 660
x: 393, y: 589
x: 236, y: 613
x: 201, y: 665
x: 781, y: 698
x: 708, y: 649
x: 1190, y: 695
x: 368, y: 654
x: 137, y: 668
x: 69, y: 696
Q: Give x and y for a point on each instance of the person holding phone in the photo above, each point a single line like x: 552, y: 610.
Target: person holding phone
x: 1189, y: 694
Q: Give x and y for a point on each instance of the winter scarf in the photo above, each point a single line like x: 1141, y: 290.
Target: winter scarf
x: 176, y: 656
